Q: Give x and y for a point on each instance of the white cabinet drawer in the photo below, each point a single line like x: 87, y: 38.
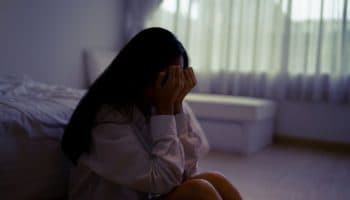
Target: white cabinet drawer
x: 223, y: 135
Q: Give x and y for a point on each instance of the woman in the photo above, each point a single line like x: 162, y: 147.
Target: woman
x: 132, y: 137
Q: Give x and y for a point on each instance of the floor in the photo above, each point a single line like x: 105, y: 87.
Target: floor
x: 282, y: 172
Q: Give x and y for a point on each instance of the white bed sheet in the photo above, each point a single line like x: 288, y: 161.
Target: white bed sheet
x: 41, y: 110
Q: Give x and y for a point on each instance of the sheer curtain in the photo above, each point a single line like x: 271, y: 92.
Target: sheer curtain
x: 282, y: 49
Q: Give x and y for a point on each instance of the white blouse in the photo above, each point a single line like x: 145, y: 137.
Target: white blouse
x: 138, y: 159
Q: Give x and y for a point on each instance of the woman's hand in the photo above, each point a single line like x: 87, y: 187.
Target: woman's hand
x: 189, y: 82
x: 166, y: 93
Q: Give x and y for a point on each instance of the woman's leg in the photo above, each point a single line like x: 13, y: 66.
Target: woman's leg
x: 194, y: 189
x: 226, y: 190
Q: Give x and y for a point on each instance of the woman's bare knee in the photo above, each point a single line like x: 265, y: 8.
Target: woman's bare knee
x: 215, y: 178
x: 221, y: 184
x: 194, y: 189
x: 210, y: 175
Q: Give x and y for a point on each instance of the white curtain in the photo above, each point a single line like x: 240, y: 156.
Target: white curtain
x: 282, y: 49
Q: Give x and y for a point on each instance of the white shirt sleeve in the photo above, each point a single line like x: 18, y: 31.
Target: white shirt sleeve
x: 118, y: 156
x: 193, y: 140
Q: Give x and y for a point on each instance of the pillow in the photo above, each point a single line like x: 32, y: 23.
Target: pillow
x: 96, y: 61
x: 8, y: 82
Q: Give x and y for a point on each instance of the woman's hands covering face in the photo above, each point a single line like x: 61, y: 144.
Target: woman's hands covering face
x: 190, y: 81
x: 170, y: 93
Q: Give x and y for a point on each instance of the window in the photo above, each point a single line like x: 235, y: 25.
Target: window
x: 248, y: 47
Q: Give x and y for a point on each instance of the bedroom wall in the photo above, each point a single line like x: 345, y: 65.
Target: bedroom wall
x: 325, y: 122
x: 44, y: 39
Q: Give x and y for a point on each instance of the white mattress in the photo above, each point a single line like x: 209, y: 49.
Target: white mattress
x: 32, y: 119
x: 41, y: 110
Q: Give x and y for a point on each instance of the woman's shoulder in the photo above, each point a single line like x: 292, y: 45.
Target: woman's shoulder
x: 108, y: 114
x: 110, y: 124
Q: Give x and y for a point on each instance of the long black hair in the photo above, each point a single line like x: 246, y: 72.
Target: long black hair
x: 122, y: 84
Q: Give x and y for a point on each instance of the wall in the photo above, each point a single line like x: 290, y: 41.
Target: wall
x: 45, y: 38
x: 325, y: 122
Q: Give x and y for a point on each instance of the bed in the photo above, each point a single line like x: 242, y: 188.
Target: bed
x: 32, y: 120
